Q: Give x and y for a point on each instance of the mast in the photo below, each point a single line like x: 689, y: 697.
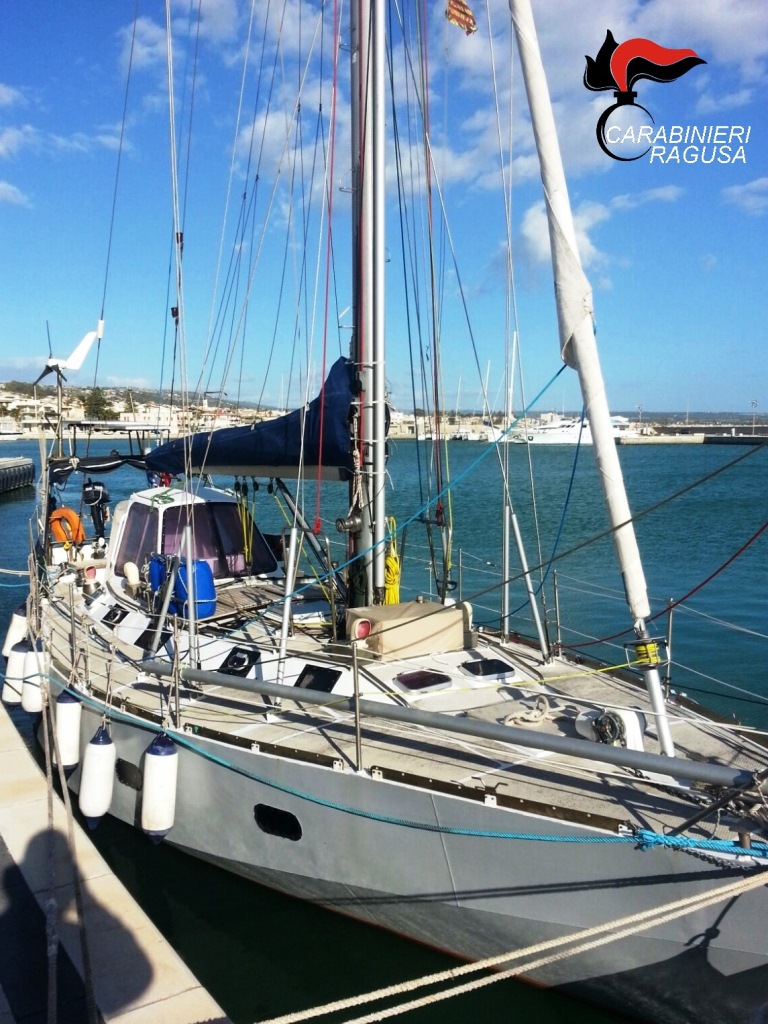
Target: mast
x: 578, y: 348
x: 368, y: 56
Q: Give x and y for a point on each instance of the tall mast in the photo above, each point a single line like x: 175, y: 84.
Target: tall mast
x: 368, y: 56
x: 577, y: 340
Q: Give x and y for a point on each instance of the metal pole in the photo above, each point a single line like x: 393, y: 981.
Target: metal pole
x: 290, y: 571
x: 668, y: 674
x: 358, y: 731
x: 674, y: 767
x: 191, y: 594
x: 543, y: 645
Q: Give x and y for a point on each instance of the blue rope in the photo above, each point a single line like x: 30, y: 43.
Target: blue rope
x: 642, y: 839
x: 648, y: 840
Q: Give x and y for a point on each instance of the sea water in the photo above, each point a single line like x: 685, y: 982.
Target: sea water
x: 262, y: 954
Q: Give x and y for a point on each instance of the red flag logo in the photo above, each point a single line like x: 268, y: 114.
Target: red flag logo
x: 619, y: 66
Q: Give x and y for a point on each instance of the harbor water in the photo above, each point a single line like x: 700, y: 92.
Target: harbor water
x: 261, y: 954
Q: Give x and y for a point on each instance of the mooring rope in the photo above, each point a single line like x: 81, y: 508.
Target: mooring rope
x: 588, y: 938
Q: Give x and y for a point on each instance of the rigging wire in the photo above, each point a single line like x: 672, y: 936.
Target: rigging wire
x: 115, y: 189
x: 329, y: 245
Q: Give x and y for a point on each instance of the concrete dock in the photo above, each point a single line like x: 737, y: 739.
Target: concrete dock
x: 16, y: 472
x: 126, y: 971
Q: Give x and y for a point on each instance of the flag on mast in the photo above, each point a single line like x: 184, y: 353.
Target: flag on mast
x: 459, y: 13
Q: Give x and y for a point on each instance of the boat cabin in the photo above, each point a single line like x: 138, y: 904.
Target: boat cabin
x: 221, y: 533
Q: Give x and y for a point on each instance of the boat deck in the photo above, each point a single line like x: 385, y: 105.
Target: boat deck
x: 544, y: 698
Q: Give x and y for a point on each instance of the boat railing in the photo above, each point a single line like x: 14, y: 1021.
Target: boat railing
x: 683, y: 631
x: 624, y: 757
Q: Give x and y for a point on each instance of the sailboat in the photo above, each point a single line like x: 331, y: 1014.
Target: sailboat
x: 478, y: 791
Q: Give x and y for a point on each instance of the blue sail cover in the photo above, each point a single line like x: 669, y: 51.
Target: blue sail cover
x: 284, y: 447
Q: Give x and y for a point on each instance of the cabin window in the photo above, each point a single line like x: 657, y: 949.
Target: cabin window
x: 218, y: 538
x: 139, y: 537
x: 276, y: 822
x: 232, y: 529
x: 176, y: 520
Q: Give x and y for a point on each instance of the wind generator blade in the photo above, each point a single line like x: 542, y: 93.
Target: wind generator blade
x: 75, y: 361
x: 46, y: 371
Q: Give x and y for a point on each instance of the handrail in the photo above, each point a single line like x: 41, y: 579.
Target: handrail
x: 657, y: 764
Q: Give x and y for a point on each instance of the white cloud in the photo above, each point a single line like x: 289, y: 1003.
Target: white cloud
x: 752, y: 198
x: 81, y: 142
x: 13, y: 140
x: 10, y: 96
x: 663, y: 194
x: 149, y: 44
x: 12, y: 195
x: 14, y: 365
x: 731, y: 32
x: 586, y: 217
x: 708, y: 104
x: 218, y: 19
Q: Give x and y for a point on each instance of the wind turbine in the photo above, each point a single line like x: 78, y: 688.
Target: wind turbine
x: 73, y: 361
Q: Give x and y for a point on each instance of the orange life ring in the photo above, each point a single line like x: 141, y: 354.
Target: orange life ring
x: 66, y: 526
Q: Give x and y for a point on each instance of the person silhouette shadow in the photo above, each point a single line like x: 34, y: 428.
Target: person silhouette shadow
x: 56, y: 963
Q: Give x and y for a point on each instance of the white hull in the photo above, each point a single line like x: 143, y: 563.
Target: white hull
x: 471, y: 896
x: 428, y: 837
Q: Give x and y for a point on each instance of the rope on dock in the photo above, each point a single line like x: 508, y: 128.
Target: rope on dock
x: 565, y: 946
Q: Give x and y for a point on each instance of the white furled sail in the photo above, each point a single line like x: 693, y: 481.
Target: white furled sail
x: 577, y: 335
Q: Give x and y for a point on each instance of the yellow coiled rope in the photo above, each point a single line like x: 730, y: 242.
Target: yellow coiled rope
x: 392, y: 566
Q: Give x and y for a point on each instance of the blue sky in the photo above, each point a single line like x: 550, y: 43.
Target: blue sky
x: 676, y: 251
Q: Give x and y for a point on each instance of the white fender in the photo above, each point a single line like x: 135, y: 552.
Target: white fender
x: 35, y: 671
x: 97, y: 777
x: 68, y: 713
x: 158, y: 791
x: 17, y: 629
x: 14, y: 672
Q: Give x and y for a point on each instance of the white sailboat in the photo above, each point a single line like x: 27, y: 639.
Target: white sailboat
x: 473, y: 790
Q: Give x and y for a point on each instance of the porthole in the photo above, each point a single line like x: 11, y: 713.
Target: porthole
x: 128, y: 774
x: 276, y: 822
